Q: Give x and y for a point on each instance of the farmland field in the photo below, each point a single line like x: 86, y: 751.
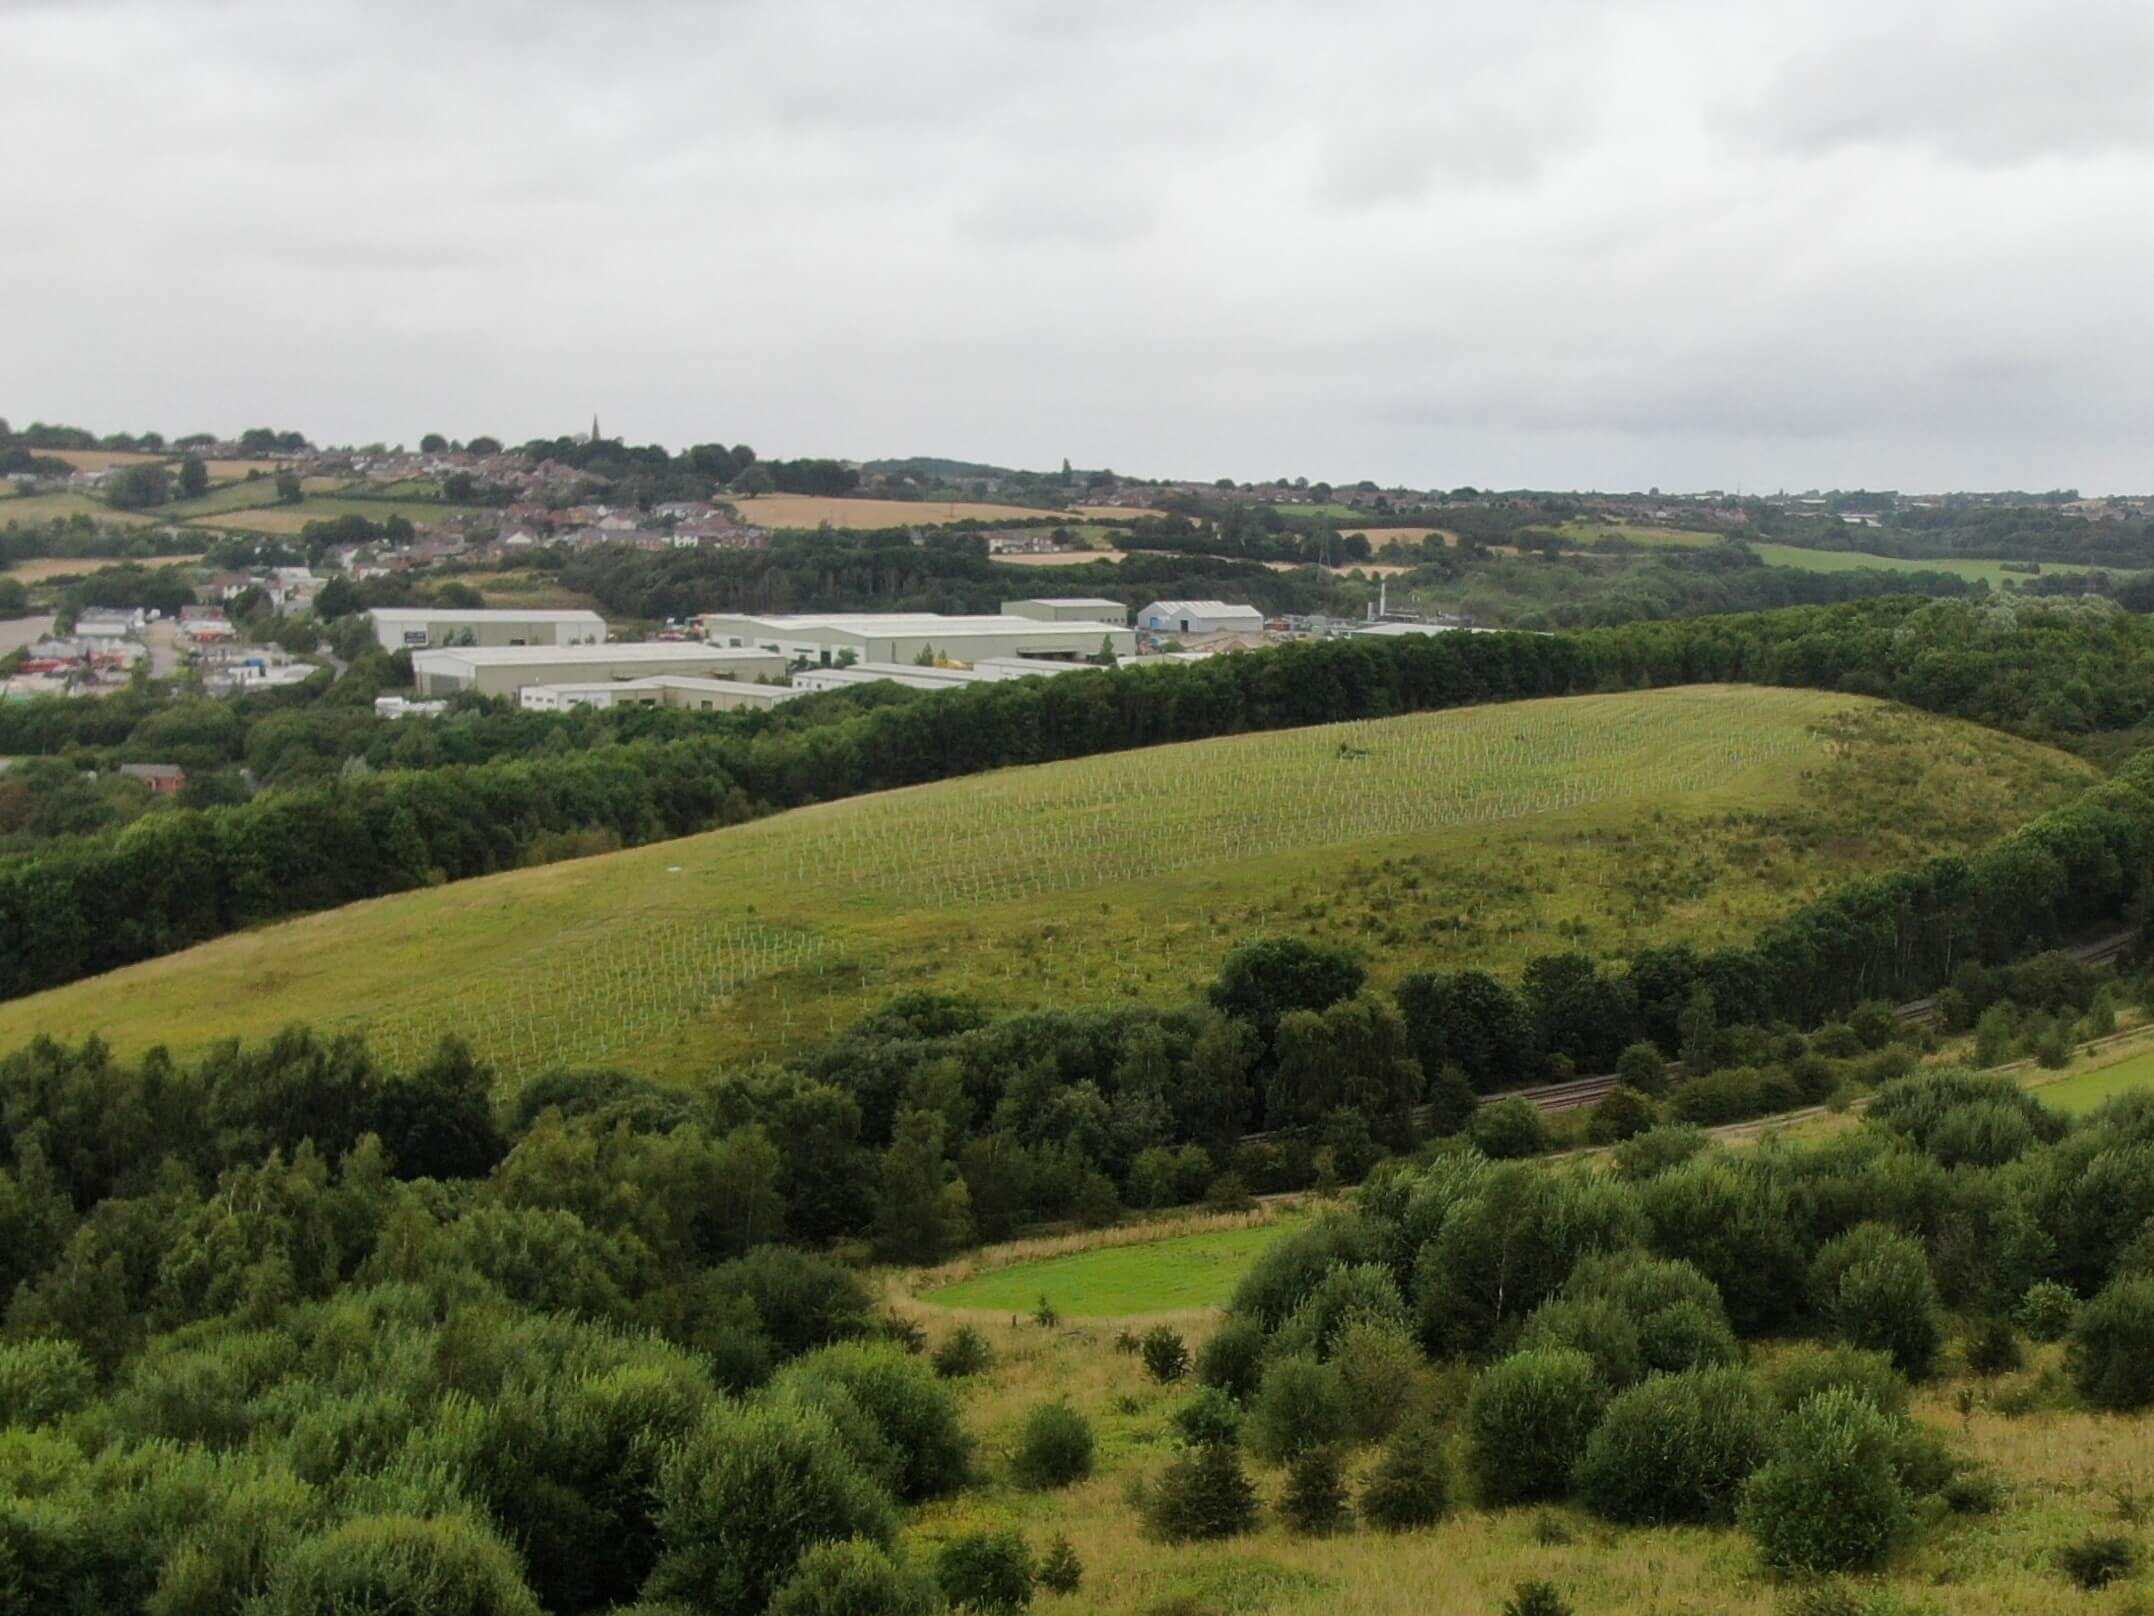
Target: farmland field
x: 1671, y: 538
x: 1479, y: 835
x: 240, y: 495
x: 100, y: 459
x: 1111, y: 1280
x: 40, y: 568
x: 45, y: 507
x: 1116, y: 513
x: 813, y: 510
x: 533, y: 591
x: 1806, y: 560
x: 321, y: 508
x: 1065, y: 558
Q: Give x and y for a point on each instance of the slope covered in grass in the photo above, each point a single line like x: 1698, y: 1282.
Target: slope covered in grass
x: 1473, y: 836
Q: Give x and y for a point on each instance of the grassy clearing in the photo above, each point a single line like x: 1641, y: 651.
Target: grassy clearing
x: 221, y: 471
x: 535, y: 591
x: 30, y: 508
x: 2065, y: 1473
x: 1806, y: 560
x: 1482, y: 835
x: 813, y: 510
x: 1119, y: 1273
x: 244, y: 494
x: 1663, y: 538
x: 1343, y: 513
x: 321, y: 508
x: 2084, y: 1091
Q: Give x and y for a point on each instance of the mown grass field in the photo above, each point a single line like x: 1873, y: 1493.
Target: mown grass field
x: 1662, y: 538
x: 239, y: 495
x: 27, y: 508
x: 2085, y: 1091
x: 813, y: 510
x: 534, y: 591
x: 1806, y: 560
x: 323, y: 507
x: 1482, y: 835
x: 1108, y: 1276
x: 2064, y: 1474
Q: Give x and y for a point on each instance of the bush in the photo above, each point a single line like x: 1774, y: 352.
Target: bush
x: 1806, y: 1371
x: 1205, y: 1493
x: 1873, y: 1286
x: 1686, y: 1336
x: 1677, y: 1448
x: 1643, y: 1069
x: 1301, y: 1404
x: 1379, y: 1365
x: 1348, y: 1292
x: 853, y: 1578
x: 1233, y: 1359
x: 964, y: 1351
x: 1408, y: 1487
x: 2099, y: 1559
x: 2111, y: 1355
x: 986, y: 1571
x: 42, y: 1380
x: 1973, y: 1495
x: 1536, y: 1599
x: 1210, y: 1416
x: 1061, y: 1572
x: 1314, y: 1503
x: 1595, y: 1326
x: 450, y: 1565
x: 1508, y: 1129
x: 1166, y: 1359
x: 1292, y: 1267
x: 1624, y: 1114
x: 1830, y: 1498
x: 2047, y: 1310
x: 749, y: 1492
x: 1993, y: 1348
x: 915, y: 1412
x: 1527, y: 1420
x: 1655, y: 1152
x: 1055, y: 1447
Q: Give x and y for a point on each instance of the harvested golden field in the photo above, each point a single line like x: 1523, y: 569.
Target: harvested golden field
x: 1064, y: 558
x: 44, y: 567
x: 813, y: 510
x: 1381, y: 536
x: 229, y: 470
x: 100, y: 459
x: 45, y: 507
x: 1117, y: 513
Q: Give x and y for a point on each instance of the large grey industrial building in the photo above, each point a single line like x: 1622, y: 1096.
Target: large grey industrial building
x: 660, y: 690
x: 418, y: 628
x: 1069, y: 609
x: 505, y: 669
x: 987, y: 671
x: 907, y: 636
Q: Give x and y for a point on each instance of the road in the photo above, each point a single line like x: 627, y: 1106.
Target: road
x: 17, y: 632
x: 162, y: 637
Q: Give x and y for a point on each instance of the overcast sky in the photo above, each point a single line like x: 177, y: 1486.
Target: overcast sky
x: 1537, y: 243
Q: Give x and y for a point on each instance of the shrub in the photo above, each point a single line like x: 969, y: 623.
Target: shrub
x: 1347, y: 1292
x: 1654, y: 1152
x: 1379, y: 1365
x: 1873, y: 1286
x: 1166, y: 1359
x: 2047, y: 1310
x: 1536, y: 1599
x: 1045, y: 1315
x: 1643, y: 1069
x: 1301, y: 1404
x: 1686, y: 1336
x: 1527, y: 1420
x: 1806, y: 1371
x: 451, y: 1565
x: 1830, y: 1498
x: 986, y: 1571
x: 1060, y: 1571
x: 1408, y: 1487
x: 964, y: 1351
x: 2111, y: 1355
x: 2099, y: 1559
x: 1314, y: 1503
x: 1624, y: 1114
x: 915, y: 1412
x: 1973, y: 1495
x: 1504, y: 1130
x: 1055, y: 1447
x: 1205, y: 1493
x: 1595, y: 1326
x: 1993, y: 1348
x: 1677, y: 1448
x: 42, y: 1380
x: 1233, y: 1359
x: 1210, y: 1416
x: 1292, y: 1267
x: 853, y: 1578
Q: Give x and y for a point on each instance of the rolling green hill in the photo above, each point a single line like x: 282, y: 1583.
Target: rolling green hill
x: 1480, y: 835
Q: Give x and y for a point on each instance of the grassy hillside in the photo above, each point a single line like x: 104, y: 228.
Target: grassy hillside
x: 1482, y: 835
x: 1807, y: 560
x: 813, y: 510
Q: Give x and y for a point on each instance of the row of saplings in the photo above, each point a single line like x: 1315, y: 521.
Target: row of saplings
x: 1626, y: 1391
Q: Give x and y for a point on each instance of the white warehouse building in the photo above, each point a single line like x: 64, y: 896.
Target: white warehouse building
x: 660, y: 690
x: 907, y: 636
x: 1199, y: 617
x: 989, y: 671
x: 1069, y: 609
x: 418, y: 628
x: 503, y: 670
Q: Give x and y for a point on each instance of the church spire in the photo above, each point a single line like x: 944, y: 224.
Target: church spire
x: 594, y: 426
